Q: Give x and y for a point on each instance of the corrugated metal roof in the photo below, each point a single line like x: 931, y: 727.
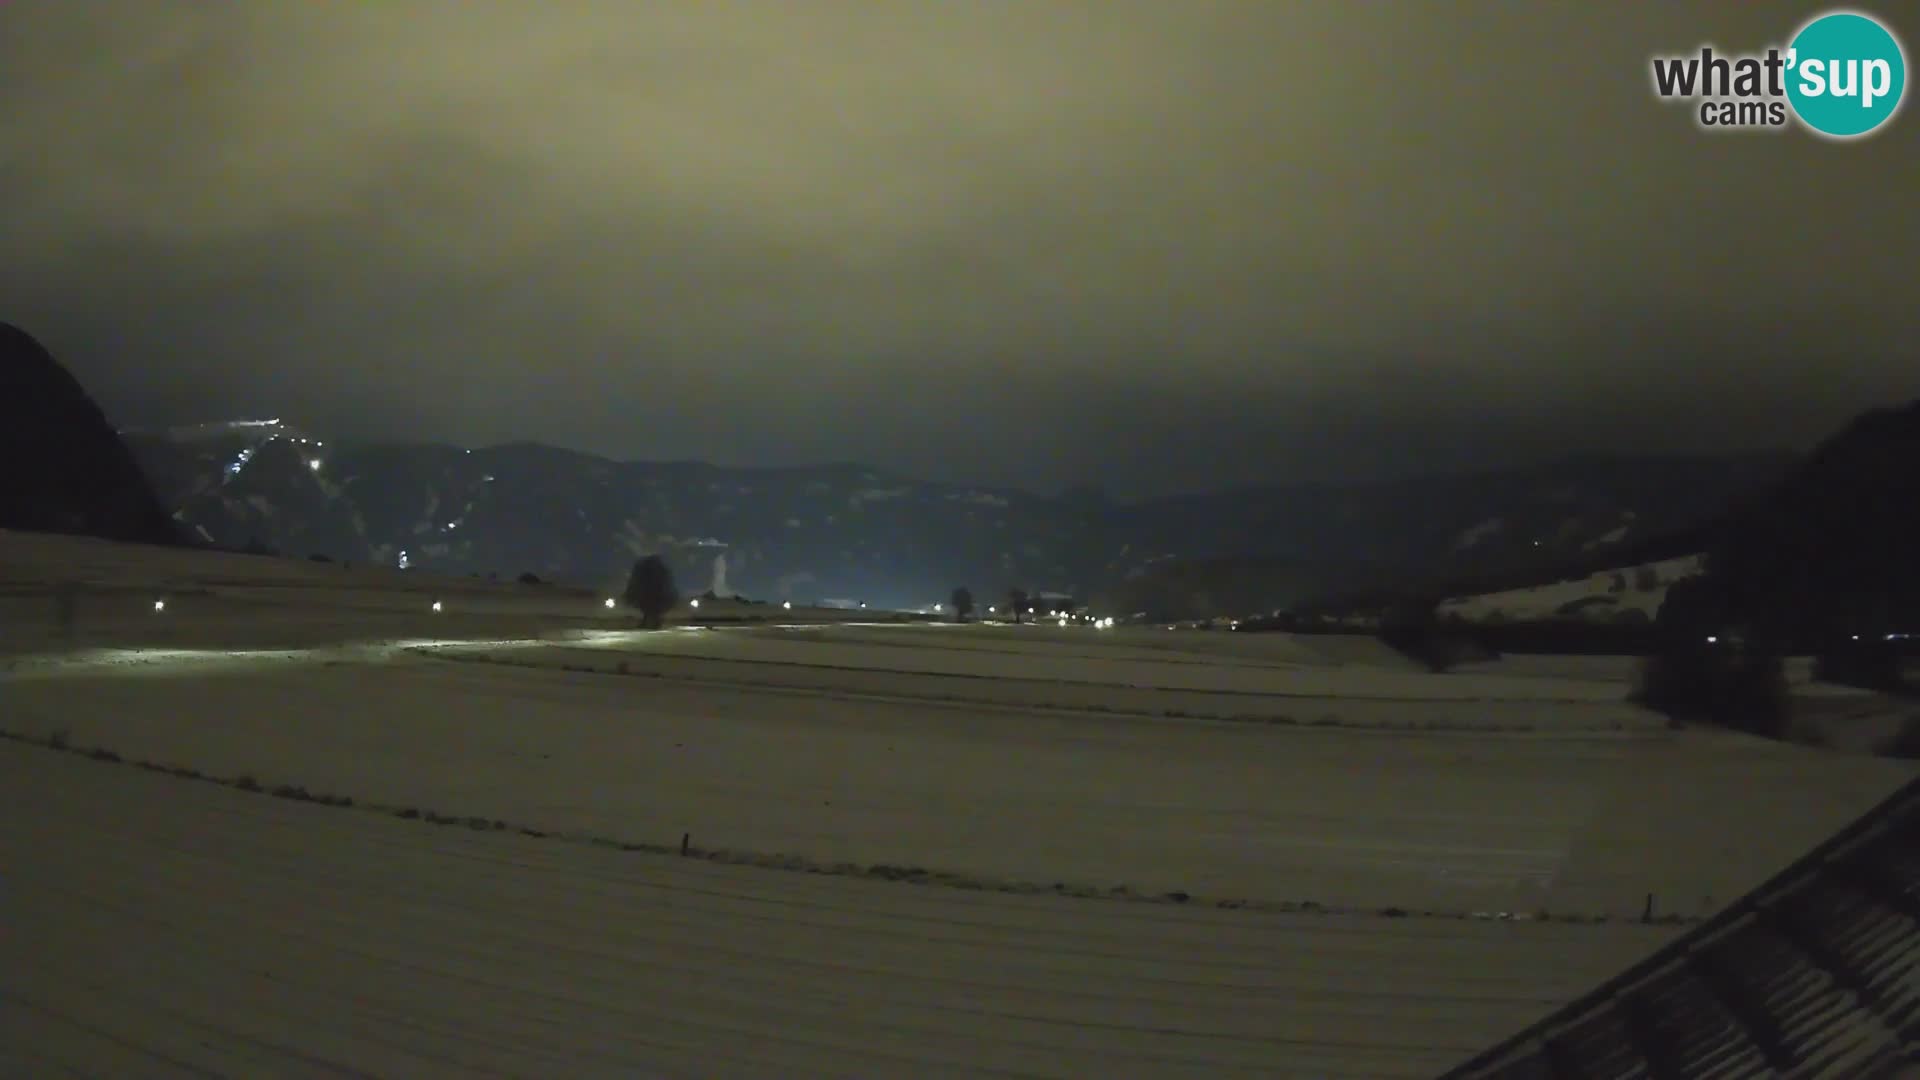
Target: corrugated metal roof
x: 1814, y: 974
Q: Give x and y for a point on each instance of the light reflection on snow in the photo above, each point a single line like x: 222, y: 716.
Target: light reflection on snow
x: 602, y: 639
x: 150, y: 660
x: 154, y: 659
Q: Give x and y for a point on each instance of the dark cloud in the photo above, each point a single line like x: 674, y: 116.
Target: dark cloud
x: 1158, y: 245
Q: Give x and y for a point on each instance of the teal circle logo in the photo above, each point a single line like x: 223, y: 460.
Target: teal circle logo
x: 1846, y: 74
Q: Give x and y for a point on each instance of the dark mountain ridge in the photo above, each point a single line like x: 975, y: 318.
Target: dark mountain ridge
x: 850, y: 531
x: 1832, y: 546
x: 63, y: 468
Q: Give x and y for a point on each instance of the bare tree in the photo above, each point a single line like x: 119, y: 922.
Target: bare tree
x: 650, y: 589
x: 962, y: 603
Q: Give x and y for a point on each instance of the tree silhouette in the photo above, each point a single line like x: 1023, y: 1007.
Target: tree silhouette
x: 650, y: 590
x: 1709, y: 663
x: 1017, y: 600
x: 962, y: 603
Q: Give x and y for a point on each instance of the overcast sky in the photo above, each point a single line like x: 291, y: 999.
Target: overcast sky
x: 1154, y: 245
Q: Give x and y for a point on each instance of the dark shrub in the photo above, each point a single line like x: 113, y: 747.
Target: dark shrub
x: 1414, y: 629
x: 1708, y: 668
x: 1907, y: 743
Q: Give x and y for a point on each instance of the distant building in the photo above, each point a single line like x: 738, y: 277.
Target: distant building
x: 1048, y: 603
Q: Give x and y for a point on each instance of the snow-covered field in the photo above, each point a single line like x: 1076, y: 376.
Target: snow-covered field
x: 911, y: 849
x: 159, y: 927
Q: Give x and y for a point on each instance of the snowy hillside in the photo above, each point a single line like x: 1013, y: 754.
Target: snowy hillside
x: 250, y: 431
x: 1625, y: 594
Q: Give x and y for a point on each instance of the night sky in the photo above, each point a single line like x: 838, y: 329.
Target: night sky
x: 1156, y: 246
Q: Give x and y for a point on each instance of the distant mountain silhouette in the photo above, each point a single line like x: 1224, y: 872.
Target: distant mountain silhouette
x: 816, y: 532
x: 1835, y: 546
x: 63, y: 468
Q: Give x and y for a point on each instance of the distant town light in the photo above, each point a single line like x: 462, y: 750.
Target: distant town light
x: 314, y: 464
x: 788, y: 604
x: 159, y: 605
x: 609, y: 601
x: 1711, y: 639
x: 990, y: 609
x: 696, y: 603
x: 863, y: 605
x: 436, y: 605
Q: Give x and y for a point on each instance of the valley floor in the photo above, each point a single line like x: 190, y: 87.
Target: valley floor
x: 1136, y: 852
